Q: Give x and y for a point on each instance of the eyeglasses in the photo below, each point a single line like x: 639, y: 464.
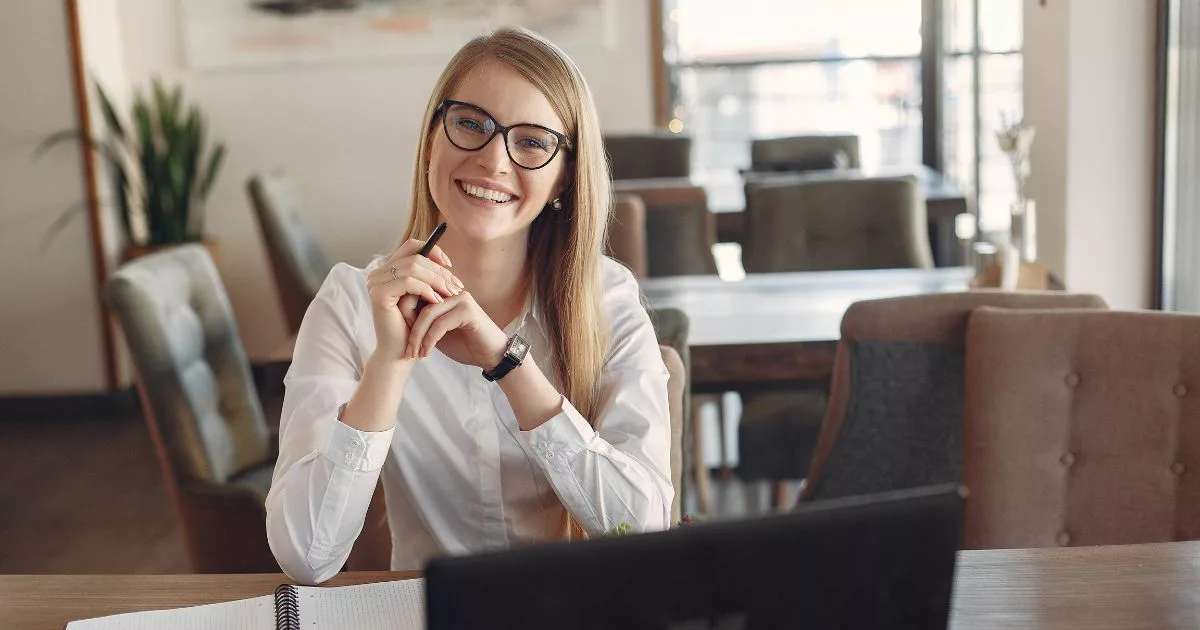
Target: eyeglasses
x: 529, y: 146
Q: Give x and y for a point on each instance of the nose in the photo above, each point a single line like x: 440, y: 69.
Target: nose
x: 493, y: 157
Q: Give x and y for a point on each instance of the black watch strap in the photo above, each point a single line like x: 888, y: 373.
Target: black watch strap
x: 514, y: 354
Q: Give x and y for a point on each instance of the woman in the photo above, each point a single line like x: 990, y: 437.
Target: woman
x: 407, y: 366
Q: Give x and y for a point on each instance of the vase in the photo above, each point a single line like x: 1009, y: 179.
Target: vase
x: 1023, y: 229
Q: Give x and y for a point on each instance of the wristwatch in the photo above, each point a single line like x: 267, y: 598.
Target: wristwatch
x: 514, y: 354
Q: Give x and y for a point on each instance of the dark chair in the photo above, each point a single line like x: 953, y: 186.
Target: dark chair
x: 805, y: 153
x: 896, y: 409
x: 671, y: 328
x: 298, y: 263
x: 651, y: 155
x: 202, y: 410
x: 680, y: 230
x: 821, y: 223
x: 1082, y: 428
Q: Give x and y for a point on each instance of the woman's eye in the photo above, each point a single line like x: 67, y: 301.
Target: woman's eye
x: 469, y: 125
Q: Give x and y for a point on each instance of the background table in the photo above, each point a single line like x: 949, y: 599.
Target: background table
x: 776, y: 329
x: 1131, y: 587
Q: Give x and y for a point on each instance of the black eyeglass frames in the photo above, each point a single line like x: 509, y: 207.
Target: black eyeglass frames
x: 470, y: 128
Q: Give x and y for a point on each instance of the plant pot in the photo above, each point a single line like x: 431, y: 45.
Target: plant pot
x: 133, y: 251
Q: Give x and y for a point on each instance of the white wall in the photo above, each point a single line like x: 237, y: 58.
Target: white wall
x: 347, y: 131
x: 50, y: 334
x: 1089, y: 90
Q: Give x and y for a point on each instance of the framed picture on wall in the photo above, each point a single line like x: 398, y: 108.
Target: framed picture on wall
x: 244, y: 33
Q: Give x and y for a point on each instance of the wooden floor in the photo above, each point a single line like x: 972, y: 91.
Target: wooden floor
x: 82, y: 493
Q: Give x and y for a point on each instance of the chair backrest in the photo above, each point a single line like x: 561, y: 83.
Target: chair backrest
x: 804, y: 153
x: 641, y: 156
x: 298, y: 263
x: 1082, y: 428
x: 676, y: 385
x: 192, y: 370
x: 627, y: 233
x: 680, y: 230
x: 821, y: 224
x: 896, y: 402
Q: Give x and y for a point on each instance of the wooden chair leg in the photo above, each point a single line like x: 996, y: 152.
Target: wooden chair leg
x: 699, y: 466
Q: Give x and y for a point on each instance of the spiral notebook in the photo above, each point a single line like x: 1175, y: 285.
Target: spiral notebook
x: 392, y: 605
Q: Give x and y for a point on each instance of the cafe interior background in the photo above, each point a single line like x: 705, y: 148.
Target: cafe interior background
x: 1045, y: 143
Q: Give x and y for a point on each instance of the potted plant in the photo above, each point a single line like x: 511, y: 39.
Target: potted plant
x: 160, y: 166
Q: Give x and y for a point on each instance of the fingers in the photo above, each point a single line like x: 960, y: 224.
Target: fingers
x: 420, y: 268
x: 408, y: 309
x: 425, y: 320
x: 389, y: 294
x: 412, y: 247
x: 450, y: 321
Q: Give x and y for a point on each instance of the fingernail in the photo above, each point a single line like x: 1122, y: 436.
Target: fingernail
x: 460, y: 283
x: 448, y: 263
x: 439, y: 298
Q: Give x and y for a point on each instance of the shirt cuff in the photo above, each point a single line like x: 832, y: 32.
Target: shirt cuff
x: 358, y: 451
x: 558, y: 440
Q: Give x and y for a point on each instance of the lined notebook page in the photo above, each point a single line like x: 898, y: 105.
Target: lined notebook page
x: 246, y: 614
x: 385, y: 605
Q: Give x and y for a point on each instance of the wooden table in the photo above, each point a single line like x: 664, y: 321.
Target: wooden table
x: 775, y: 330
x: 1132, y: 587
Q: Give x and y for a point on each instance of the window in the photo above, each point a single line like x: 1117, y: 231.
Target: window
x: 762, y: 68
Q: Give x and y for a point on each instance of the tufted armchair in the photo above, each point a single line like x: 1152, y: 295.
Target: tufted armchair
x: 1082, y: 428
x: 649, y: 155
x: 204, y: 416
x: 896, y: 406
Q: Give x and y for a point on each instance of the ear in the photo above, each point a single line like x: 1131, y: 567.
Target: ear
x: 566, y: 180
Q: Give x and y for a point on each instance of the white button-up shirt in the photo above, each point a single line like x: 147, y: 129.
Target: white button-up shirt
x: 458, y: 473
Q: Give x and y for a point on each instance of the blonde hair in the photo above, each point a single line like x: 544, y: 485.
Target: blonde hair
x: 565, y: 245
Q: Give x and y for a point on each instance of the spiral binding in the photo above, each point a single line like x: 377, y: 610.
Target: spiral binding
x: 287, y: 607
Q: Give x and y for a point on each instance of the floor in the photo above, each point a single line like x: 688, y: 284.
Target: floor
x: 83, y: 494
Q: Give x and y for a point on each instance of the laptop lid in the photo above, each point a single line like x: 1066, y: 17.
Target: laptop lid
x: 877, y: 561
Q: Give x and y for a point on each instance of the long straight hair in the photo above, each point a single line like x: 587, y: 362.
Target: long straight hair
x: 565, y: 245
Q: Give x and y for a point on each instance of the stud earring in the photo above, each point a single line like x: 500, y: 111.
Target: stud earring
x: 556, y: 204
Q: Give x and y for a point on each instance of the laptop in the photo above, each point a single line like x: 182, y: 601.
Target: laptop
x: 879, y: 561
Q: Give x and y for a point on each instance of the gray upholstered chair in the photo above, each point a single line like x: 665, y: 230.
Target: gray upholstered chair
x: 805, y: 153
x: 680, y: 230
x: 671, y: 327
x: 896, y: 411
x: 627, y: 233
x: 651, y: 155
x: 676, y: 388
x: 825, y: 223
x: 298, y: 263
x: 203, y: 413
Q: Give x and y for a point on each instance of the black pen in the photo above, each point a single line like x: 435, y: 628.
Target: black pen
x: 433, y: 239
x: 426, y: 249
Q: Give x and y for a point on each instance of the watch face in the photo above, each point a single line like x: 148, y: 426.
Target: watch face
x: 518, y: 347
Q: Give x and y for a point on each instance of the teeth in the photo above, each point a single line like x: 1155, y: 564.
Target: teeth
x: 485, y: 193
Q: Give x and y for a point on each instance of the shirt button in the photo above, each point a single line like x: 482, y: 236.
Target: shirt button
x: 551, y: 456
x: 354, y: 444
x: 349, y: 457
x: 543, y: 444
x: 1072, y: 379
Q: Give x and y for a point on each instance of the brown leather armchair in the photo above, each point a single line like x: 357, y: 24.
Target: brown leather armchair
x: 203, y: 413
x: 1082, y: 428
x: 641, y: 156
x: 896, y: 409
x: 298, y: 263
x: 627, y: 233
